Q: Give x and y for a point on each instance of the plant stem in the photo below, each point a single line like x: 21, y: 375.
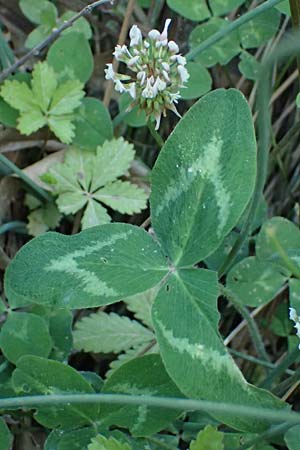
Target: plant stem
x: 253, y: 328
x: 181, y: 404
x: 281, y: 368
x: 36, y: 50
x: 37, y: 190
x: 231, y: 27
x: 16, y: 225
x: 155, y: 134
x: 271, y: 433
x: 295, y: 12
x: 258, y: 361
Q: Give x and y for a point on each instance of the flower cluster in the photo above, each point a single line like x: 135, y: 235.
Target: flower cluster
x: 158, y: 72
x: 295, y: 318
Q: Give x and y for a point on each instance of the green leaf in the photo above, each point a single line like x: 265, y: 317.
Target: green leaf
x: 80, y: 26
x: 114, y: 157
x: 185, y: 321
x: 18, y: 95
x: 221, y: 52
x: 71, y: 55
x: 103, y: 443
x: 249, y: 66
x: 198, y: 182
x: 294, y: 293
x: 292, y: 437
x: 284, y: 7
x: 96, y: 267
x: 32, y: 9
x: 281, y: 324
x: 276, y: 236
x: 94, y: 215
x: 143, y: 375
x: 208, y: 439
x: 8, y: 115
x: 106, y: 333
x: 215, y: 260
x: 24, y: 334
x: 35, y: 375
x: 259, y: 30
x: 141, y: 305
x: 70, y: 440
x: 37, y: 35
x: 60, y: 328
x: 256, y: 282
x: 190, y: 9
x: 5, y: 436
x: 66, y: 98
x: 122, y: 196
x: 62, y: 127
x: 31, y: 121
x: 93, y: 125
x: 42, y: 219
x: 199, y: 83
x: 80, y: 178
x: 220, y: 7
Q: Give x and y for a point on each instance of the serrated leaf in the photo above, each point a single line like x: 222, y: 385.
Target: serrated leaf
x: 31, y: 121
x: 123, y: 358
x: 106, y: 333
x: 208, y: 439
x: 43, y: 218
x: 35, y: 375
x: 198, y: 181
x: 18, y: 95
x: 184, y: 317
x: 143, y: 375
x: 103, y: 443
x: 24, y: 334
x: 66, y: 98
x: 141, y: 305
x: 80, y: 178
x: 96, y: 267
x: 93, y: 215
x: 122, y: 196
x: 115, y: 156
x: 62, y: 127
x: 44, y: 84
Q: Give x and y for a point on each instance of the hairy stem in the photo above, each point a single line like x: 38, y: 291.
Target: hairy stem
x: 155, y: 134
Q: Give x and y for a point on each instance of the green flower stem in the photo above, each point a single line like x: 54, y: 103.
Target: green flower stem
x: 253, y: 329
x: 155, y: 134
x: 281, y: 389
x: 281, y: 368
x: 231, y: 27
x: 278, y: 430
x: 40, y: 193
x: 36, y: 401
x: 258, y: 361
x: 295, y: 12
x: 36, y: 50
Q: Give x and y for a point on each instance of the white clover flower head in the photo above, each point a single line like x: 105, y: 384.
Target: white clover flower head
x: 296, y: 319
x: 157, y: 72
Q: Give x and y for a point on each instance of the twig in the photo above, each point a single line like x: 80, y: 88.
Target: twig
x: 56, y: 33
x: 121, y: 41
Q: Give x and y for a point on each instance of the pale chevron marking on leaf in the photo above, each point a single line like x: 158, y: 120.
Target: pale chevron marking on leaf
x: 208, y: 165
x: 69, y: 265
x: 208, y: 357
x: 141, y: 418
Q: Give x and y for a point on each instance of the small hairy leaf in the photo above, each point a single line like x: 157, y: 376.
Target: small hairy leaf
x: 105, y: 333
x: 122, y: 196
x: 141, y: 305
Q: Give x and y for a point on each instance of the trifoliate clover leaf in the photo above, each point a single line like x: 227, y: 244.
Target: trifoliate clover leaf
x: 102, y: 443
x: 46, y: 103
x: 90, y: 180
